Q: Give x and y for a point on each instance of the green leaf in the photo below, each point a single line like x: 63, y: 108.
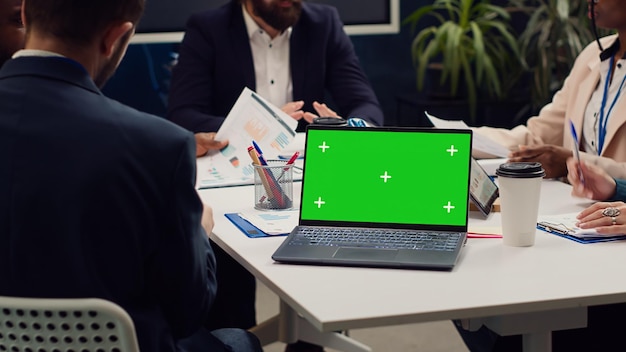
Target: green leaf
x: 474, y: 42
x: 562, y: 9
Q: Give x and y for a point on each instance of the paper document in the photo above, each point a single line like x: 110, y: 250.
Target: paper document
x: 479, y: 142
x: 296, y: 145
x: 491, y: 165
x: 251, y: 118
x: 273, y: 223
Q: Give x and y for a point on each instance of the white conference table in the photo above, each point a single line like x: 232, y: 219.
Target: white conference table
x: 513, y: 290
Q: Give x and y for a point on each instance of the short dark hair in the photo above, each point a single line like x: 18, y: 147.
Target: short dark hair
x: 79, y: 21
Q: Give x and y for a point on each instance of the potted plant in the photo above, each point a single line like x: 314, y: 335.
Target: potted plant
x: 555, y: 33
x: 472, y: 42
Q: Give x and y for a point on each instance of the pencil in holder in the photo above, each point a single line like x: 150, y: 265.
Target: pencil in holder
x: 273, y: 185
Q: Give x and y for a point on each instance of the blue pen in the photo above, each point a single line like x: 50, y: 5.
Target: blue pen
x: 576, y: 152
x: 258, y: 150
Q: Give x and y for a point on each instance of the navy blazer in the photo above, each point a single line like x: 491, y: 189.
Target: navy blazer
x: 98, y: 200
x: 215, y: 64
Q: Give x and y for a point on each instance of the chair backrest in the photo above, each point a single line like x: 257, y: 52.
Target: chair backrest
x: 65, y: 325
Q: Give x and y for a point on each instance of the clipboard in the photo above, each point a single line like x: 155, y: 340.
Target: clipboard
x: 562, y: 231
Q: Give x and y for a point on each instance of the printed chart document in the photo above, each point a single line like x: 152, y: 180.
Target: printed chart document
x: 273, y: 223
x: 479, y: 142
x: 251, y: 118
x: 565, y: 225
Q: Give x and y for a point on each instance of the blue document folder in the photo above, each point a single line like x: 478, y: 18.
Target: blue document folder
x: 246, y: 227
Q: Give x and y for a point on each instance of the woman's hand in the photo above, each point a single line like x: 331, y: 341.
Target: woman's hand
x: 552, y: 158
x: 608, y: 218
x: 594, y: 184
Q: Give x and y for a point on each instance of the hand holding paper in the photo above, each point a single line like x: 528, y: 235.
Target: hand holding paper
x: 251, y: 118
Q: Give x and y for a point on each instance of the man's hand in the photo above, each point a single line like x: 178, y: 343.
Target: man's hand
x: 323, y: 110
x: 207, y: 219
x: 205, y: 141
x: 294, y: 109
x: 552, y: 158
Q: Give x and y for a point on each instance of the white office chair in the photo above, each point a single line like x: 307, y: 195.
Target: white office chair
x: 65, y: 325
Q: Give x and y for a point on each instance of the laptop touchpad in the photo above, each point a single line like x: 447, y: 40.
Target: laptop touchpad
x: 365, y: 253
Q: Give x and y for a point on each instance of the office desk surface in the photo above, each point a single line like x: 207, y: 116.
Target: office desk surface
x: 490, y: 279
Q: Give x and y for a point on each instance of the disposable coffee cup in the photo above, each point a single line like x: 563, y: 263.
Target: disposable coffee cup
x: 520, y: 189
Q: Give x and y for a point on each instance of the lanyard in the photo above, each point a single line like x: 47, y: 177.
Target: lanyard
x: 605, y: 118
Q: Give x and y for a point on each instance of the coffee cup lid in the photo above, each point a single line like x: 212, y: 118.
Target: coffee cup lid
x: 521, y: 170
x: 330, y: 121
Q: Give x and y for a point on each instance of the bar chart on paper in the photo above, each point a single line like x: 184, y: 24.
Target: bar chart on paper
x: 251, y: 118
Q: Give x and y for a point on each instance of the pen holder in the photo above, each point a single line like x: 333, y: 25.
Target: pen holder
x: 273, y: 185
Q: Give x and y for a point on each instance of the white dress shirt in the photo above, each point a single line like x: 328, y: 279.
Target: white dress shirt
x: 35, y: 52
x: 271, y: 62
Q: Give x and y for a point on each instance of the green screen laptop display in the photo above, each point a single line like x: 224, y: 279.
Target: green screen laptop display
x: 385, y: 176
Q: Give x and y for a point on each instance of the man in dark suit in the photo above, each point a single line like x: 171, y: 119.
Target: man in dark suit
x: 294, y: 54
x: 98, y: 199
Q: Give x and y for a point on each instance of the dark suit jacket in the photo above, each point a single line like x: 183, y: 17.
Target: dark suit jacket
x: 215, y: 64
x: 98, y: 200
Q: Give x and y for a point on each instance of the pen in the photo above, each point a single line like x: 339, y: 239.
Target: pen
x: 576, y: 152
x: 262, y: 176
x: 292, y: 159
x: 258, y: 150
x: 271, y: 179
x: 289, y: 162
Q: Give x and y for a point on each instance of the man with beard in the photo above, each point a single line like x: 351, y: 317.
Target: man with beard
x: 98, y: 199
x: 293, y: 54
x: 11, y: 29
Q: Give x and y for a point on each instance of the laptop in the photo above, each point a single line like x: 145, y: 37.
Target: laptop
x: 382, y: 197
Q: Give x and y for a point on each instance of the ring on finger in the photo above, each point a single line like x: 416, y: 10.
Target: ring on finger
x: 613, y: 220
x: 610, y: 212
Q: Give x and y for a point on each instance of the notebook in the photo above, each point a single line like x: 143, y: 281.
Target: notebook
x: 410, y: 184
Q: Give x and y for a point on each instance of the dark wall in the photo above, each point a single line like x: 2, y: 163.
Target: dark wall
x: 142, y: 78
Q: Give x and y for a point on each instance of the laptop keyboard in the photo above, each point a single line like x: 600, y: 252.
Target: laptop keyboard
x: 377, y: 238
